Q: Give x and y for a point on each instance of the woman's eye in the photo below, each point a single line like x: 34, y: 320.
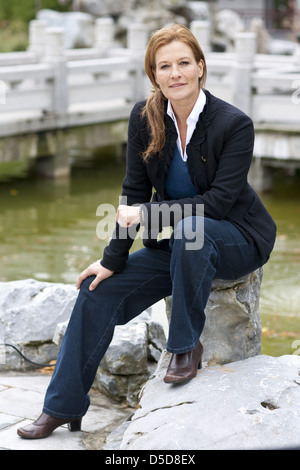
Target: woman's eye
x: 166, y: 66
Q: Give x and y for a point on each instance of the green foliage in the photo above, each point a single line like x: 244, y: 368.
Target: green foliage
x: 25, y: 10
x: 13, y: 36
x: 14, y: 18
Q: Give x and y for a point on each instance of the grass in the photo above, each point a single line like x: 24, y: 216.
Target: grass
x: 13, y: 36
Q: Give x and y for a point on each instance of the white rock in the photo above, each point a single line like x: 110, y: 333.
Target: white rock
x: 60, y: 332
x: 232, y: 329
x: 78, y: 26
x: 127, y: 352
x: 30, y: 311
x: 130, y: 358
x: 245, y: 405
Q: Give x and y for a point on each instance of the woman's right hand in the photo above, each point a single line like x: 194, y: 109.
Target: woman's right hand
x: 94, y: 269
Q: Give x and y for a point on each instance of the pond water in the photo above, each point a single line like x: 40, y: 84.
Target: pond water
x: 48, y: 232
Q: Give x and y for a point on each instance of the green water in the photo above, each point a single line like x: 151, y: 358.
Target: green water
x: 48, y: 232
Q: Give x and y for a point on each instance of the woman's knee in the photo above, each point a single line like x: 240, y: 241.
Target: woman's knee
x: 85, y: 285
x: 190, y: 232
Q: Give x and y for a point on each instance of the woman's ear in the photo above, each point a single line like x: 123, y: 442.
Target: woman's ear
x: 201, y: 67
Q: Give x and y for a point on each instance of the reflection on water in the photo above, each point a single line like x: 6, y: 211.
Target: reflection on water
x: 48, y: 232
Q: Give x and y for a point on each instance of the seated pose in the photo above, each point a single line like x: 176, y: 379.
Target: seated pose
x: 194, y: 150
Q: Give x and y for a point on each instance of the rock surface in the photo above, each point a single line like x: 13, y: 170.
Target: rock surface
x: 232, y: 330
x: 130, y: 359
x: 34, y: 314
x: 245, y: 405
x: 29, y: 313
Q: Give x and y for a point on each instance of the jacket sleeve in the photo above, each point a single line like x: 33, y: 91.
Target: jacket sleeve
x: 236, y: 143
x: 136, y: 189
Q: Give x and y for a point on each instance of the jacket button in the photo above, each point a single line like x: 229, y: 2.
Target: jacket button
x: 203, y: 159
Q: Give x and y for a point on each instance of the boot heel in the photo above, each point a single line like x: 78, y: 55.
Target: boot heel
x: 200, y: 365
x: 74, y: 426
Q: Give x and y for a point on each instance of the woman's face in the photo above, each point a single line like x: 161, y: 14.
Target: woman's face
x: 177, y: 73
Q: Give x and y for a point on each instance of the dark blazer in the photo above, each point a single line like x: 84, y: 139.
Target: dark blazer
x: 219, y: 157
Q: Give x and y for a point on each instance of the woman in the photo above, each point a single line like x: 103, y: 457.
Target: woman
x: 195, y: 150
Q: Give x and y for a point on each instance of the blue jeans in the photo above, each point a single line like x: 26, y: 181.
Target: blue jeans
x: 149, y: 275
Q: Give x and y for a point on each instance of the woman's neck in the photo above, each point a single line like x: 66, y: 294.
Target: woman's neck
x: 182, y: 109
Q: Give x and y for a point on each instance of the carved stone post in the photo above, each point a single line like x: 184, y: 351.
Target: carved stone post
x: 37, y: 31
x: 136, y: 44
x: 104, y: 33
x: 245, y: 46
x: 54, y: 54
x: 201, y: 31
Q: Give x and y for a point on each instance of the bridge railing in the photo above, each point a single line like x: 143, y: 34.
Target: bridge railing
x: 276, y: 97
x: 267, y: 87
x: 48, y: 79
x: 54, y: 80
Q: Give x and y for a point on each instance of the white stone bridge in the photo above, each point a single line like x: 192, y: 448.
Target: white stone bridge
x: 53, y: 101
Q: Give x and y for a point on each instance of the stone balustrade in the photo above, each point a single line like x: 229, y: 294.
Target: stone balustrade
x: 50, y: 89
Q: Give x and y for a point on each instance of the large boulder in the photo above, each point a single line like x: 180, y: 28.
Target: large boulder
x: 232, y: 328
x: 246, y: 405
x: 34, y: 314
x: 29, y: 313
x: 232, y: 332
x: 131, y: 359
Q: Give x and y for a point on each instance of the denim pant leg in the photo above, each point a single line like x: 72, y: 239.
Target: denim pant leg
x: 118, y: 299
x: 225, y: 254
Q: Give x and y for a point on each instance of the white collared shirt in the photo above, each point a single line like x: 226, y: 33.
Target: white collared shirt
x: 191, y: 121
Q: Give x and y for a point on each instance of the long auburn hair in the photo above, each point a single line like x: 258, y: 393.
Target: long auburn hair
x: 154, y: 108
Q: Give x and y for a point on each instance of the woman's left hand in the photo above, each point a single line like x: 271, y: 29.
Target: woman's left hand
x: 97, y: 270
x: 128, y: 215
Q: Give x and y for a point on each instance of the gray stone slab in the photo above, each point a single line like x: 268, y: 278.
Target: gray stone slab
x: 21, y: 400
x: 61, y: 439
x: 37, y: 383
x: 7, y: 420
x: 245, y: 405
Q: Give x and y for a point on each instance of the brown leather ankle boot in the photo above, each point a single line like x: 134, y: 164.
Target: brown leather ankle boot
x: 45, y: 425
x: 184, y: 366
